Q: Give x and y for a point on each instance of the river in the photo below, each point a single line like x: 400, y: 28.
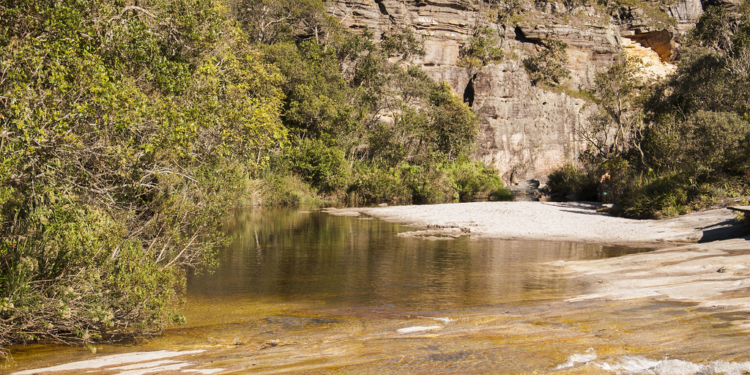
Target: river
x: 306, y: 292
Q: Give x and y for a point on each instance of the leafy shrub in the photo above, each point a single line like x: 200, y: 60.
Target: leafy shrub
x: 323, y: 166
x: 473, y: 179
x: 403, y: 44
x: 548, y: 65
x: 570, y: 179
x: 480, y: 51
x: 428, y: 184
x: 377, y: 184
x: 76, y: 278
x: 452, y: 124
x: 275, y: 21
x: 663, y: 196
x: 127, y: 133
x: 280, y: 189
x: 385, y: 145
x: 435, y: 182
x: 714, y: 139
x: 406, y: 184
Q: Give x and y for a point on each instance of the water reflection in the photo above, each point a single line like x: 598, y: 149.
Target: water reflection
x: 281, y: 255
x: 309, y: 293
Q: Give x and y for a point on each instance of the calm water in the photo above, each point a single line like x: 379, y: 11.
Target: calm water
x: 307, y: 293
x: 345, y: 261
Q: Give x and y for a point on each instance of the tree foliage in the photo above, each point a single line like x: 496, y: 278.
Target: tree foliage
x: 480, y: 50
x: 618, y: 124
x: 693, y: 144
x: 403, y: 44
x: 548, y: 65
x: 272, y: 21
x: 130, y: 128
x: 126, y: 131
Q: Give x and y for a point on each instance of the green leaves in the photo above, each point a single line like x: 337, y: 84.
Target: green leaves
x: 403, y: 44
x: 480, y: 51
x: 129, y: 130
x: 618, y: 125
x: 323, y: 166
x: 453, y: 124
x: 128, y: 133
x: 272, y: 21
x: 548, y: 65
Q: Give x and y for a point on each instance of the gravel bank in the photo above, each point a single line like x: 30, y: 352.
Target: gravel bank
x: 552, y: 221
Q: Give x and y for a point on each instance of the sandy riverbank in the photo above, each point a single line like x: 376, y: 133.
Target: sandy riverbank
x: 704, y: 257
x: 552, y: 221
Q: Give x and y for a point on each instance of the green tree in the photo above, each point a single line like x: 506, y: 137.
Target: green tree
x: 452, y: 123
x: 715, y: 30
x: 403, y: 44
x: 323, y: 166
x: 618, y: 124
x: 127, y: 131
x: 271, y: 21
x: 714, y: 140
x: 548, y: 65
x: 480, y: 50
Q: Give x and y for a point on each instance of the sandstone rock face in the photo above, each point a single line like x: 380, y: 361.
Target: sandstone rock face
x: 445, y: 25
x: 659, y: 41
x: 651, y: 28
x: 687, y: 13
x: 589, y: 51
x: 652, y: 65
x: 525, y: 132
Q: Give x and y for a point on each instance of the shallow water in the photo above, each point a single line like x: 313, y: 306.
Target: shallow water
x: 305, y: 292
x: 288, y: 256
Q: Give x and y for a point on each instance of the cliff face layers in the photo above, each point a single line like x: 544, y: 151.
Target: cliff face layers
x: 526, y: 132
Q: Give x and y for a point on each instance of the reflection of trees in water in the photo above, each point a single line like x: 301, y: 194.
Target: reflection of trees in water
x: 291, y: 255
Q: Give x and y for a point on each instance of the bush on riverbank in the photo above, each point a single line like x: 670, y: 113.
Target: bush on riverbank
x: 365, y: 126
x: 679, y: 145
x: 459, y: 181
x: 127, y: 132
x: 474, y: 179
x: 573, y: 180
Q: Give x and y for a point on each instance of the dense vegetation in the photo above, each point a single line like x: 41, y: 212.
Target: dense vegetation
x: 128, y: 129
x: 126, y: 132
x: 365, y: 126
x: 678, y: 145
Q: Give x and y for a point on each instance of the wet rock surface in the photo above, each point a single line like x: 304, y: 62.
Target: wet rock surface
x: 513, y: 307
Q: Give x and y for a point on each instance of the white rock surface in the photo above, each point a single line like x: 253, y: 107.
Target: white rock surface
x: 547, y: 221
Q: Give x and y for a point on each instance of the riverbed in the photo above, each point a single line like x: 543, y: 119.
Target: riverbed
x: 309, y: 292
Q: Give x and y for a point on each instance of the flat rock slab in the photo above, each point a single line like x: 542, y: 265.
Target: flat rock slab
x: 715, y: 275
x: 558, y: 221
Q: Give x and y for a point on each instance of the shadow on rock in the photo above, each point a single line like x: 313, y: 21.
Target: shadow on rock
x: 724, y: 231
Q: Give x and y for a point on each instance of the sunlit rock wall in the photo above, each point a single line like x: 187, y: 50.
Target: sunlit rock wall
x: 525, y: 132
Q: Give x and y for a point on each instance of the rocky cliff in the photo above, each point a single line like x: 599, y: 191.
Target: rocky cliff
x: 527, y: 131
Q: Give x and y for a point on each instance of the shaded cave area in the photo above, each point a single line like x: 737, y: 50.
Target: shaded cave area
x: 382, y: 8
x: 659, y: 41
x: 469, y: 92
